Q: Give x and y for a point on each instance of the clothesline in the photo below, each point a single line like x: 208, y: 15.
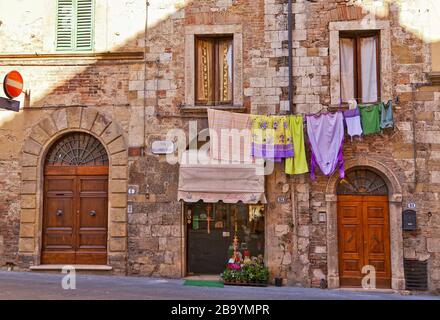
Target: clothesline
x: 278, y: 137
x: 394, y: 100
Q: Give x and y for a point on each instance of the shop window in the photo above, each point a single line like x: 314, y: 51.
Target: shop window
x: 74, y: 26
x: 211, y: 229
x: 214, y: 70
x: 359, y: 66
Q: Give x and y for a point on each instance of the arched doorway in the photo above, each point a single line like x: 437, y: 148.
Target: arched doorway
x: 75, y: 201
x: 363, y: 228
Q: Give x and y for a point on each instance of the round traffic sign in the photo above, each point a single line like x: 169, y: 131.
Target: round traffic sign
x: 13, y: 84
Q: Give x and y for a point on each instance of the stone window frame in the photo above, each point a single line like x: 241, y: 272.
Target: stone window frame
x: 206, y: 30
x: 385, y: 56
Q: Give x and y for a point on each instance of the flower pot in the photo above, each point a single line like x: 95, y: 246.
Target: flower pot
x: 278, y: 282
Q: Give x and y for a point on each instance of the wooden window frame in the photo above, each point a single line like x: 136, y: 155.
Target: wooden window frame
x: 216, y: 74
x: 356, y: 36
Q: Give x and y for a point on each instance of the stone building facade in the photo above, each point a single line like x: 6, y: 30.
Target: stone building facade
x: 137, y: 83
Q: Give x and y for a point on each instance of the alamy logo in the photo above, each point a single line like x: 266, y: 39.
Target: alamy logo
x: 369, y: 281
x: 69, y: 280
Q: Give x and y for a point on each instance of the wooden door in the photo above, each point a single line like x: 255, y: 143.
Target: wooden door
x: 75, y: 215
x: 207, y: 251
x: 363, y: 237
x: 59, y: 220
x: 91, y: 244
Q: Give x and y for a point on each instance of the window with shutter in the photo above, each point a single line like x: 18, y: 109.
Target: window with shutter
x: 74, y: 25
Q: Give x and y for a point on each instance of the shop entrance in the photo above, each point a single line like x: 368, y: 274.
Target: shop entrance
x: 75, y: 202
x: 211, y: 229
x: 363, y: 228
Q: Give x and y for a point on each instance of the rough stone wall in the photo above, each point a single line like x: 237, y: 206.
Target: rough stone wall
x: 117, y: 88
x: 155, y: 226
x: 410, y: 65
x: 10, y: 213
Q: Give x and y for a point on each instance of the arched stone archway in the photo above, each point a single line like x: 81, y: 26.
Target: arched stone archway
x: 35, y: 148
x: 395, y: 212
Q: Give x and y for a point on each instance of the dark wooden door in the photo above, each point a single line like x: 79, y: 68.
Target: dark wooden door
x: 208, y: 241
x: 207, y: 253
x: 363, y: 236
x: 75, y: 215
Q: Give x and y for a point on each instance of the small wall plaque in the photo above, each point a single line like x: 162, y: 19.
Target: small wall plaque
x: 162, y: 147
x: 281, y: 199
x: 412, y: 205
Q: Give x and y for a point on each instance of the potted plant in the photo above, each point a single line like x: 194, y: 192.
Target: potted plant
x: 251, y: 273
x: 227, y: 275
x: 284, y: 241
x: 262, y: 275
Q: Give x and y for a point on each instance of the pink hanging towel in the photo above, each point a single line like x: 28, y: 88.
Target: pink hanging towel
x: 326, y: 137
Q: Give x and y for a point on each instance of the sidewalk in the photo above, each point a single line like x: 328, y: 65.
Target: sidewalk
x: 30, y: 285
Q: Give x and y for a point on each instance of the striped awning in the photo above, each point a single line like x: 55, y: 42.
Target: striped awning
x: 201, y: 178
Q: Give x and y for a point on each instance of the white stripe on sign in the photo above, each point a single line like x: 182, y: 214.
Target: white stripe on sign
x: 14, y: 83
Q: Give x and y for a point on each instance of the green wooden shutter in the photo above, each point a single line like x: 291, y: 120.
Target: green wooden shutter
x: 65, y: 24
x: 84, y: 25
x: 74, y: 25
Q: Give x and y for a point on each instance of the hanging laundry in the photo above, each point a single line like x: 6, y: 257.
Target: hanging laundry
x: 370, y: 117
x: 386, y: 115
x: 326, y: 136
x: 222, y: 146
x: 271, y: 137
x: 297, y: 164
x: 353, y: 122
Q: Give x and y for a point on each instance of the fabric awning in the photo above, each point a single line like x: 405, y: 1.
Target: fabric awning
x: 201, y: 178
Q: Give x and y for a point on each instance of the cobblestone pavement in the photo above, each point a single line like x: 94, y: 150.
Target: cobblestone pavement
x: 26, y: 285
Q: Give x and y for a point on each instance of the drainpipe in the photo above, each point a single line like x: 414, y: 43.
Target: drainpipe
x: 147, y: 4
x: 289, y: 32
x: 413, y: 95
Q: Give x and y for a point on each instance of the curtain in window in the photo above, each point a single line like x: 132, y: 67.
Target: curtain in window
x: 204, y: 66
x: 347, y: 69
x: 369, y: 69
x: 225, y: 70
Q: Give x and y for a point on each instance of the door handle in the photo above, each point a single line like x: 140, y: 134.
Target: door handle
x: 59, y: 212
x: 92, y: 213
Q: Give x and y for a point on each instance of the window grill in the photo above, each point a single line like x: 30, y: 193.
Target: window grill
x: 416, y: 274
x: 362, y: 182
x: 77, y: 149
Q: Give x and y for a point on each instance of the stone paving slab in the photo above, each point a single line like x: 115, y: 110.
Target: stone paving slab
x: 47, y: 286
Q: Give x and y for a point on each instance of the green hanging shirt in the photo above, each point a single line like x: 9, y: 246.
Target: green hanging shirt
x: 370, y: 118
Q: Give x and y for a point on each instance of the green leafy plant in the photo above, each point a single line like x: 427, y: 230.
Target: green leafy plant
x: 251, y: 273
x: 262, y: 274
x: 227, y: 275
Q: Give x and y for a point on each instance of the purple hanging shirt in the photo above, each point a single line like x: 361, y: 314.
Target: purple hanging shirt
x: 326, y: 136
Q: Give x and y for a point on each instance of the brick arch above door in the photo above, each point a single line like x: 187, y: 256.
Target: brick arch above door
x: 33, y: 154
x: 395, y: 214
